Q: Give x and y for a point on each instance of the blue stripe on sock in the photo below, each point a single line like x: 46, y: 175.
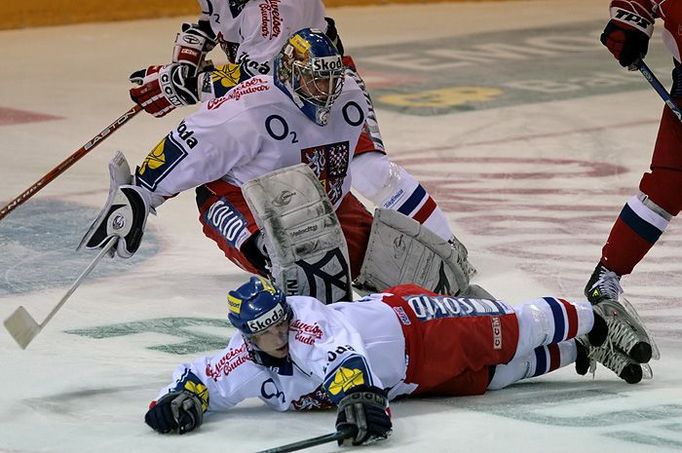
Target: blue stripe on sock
x: 540, y: 361
x: 559, y: 321
x: 640, y: 226
x: 414, y: 200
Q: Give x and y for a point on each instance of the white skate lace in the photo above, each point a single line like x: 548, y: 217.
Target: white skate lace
x: 623, y: 335
x: 609, y: 357
x: 608, y: 284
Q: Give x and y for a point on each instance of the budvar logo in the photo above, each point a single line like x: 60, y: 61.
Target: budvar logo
x: 327, y: 63
x: 264, y: 321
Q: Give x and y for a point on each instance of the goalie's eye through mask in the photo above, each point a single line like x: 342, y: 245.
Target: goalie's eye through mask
x: 309, y: 69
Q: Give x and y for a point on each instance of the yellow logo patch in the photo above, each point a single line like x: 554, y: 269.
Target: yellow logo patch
x: 154, y: 159
x: 227, y: 75
x: 234, y: 304
x: 345, y: 379
x: 300, y: 44
x: 199, y: 390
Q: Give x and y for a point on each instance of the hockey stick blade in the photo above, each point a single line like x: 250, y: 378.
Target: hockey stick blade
x: 300, y: 445
x: 21, y: 324
x: 22, y: 327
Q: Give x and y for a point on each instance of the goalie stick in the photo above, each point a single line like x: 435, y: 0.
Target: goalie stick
x: 21, y: 324
x: 69, y: 161
x: 313, y: 441
x: 660, y: 89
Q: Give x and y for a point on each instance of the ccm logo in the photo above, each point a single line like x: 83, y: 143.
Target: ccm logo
x: 497, y: 333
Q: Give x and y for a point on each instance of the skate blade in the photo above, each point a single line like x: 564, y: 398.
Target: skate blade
x: 647, y: 372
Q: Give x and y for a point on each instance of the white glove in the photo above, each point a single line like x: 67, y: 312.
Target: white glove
x: 124, y: 215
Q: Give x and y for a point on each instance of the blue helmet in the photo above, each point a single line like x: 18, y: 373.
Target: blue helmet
x: 257, y: 305
x: 310, y: 71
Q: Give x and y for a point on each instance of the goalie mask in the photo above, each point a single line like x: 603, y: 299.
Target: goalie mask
x: 256, y: 306
x: 310, y: 71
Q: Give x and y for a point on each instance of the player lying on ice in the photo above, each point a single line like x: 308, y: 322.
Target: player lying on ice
x: 296, y: 353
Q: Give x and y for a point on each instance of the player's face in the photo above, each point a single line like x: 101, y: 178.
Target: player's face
x: 321, y: 89
x: 275, y: 340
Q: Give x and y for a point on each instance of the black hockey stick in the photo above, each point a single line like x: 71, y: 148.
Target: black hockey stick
x: 660, y: 89
x: 313, y: 441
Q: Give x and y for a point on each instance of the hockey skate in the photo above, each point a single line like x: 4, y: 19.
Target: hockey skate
x: 603, y: 284
x: 610, y: 357
x: 625, y: 332
x: 626, y: 329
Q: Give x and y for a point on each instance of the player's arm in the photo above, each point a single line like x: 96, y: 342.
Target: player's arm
x: 627, y: 33
x: 339, y: 357
x: 190, y: 155
x: 161, y: 88
x: 215, y: 383
x: 390, y: 186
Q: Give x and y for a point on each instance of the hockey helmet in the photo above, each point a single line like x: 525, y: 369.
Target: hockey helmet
x: 256, y: 306
x: 310, y: 71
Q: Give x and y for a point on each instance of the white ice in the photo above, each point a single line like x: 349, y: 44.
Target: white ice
x: 534, y: 226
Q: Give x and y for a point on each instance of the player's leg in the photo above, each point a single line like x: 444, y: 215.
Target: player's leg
x: 226, y: 219
x: 356, y: 224
x: 647, y: 214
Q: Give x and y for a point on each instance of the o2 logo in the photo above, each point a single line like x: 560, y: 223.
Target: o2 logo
x: 269, y: 390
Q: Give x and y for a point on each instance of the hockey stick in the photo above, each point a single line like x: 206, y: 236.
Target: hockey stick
x: 300, y: 445
x: 660, y: 89
x: 21, y: 324
x: 69, y: 161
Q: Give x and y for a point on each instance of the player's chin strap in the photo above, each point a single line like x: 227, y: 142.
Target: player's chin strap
x: 401, y: 250
x: 302, y: 235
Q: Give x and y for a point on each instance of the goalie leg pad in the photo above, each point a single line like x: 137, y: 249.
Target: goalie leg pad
x: 124, y: 215
x: 302, y: 235
x: 401, y: 250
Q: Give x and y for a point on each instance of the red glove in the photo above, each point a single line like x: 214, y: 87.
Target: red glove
x: 162, y: 88
x: 192, y: 44
x: 627, y: 33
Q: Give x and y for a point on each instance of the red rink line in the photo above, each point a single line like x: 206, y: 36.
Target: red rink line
x: 10, y: 117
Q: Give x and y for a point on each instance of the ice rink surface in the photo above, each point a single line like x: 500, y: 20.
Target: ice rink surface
x: 520, y: 124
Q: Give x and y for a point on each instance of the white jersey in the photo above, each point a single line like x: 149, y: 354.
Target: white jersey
x: 254, y: 130
x: 260, y: 27
x: 331, y: 348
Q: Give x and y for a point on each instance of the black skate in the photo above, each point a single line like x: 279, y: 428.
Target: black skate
x: 625, y: 332
x: 612, y: 358
x: 603, y: 284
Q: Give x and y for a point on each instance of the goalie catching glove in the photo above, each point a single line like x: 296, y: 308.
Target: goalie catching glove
x: 179, y: 412
x: 365, y: 413
x: 124, y: 215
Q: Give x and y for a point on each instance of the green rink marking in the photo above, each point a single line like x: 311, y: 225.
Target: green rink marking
x: 185, y: 329
x: 501, y: 69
